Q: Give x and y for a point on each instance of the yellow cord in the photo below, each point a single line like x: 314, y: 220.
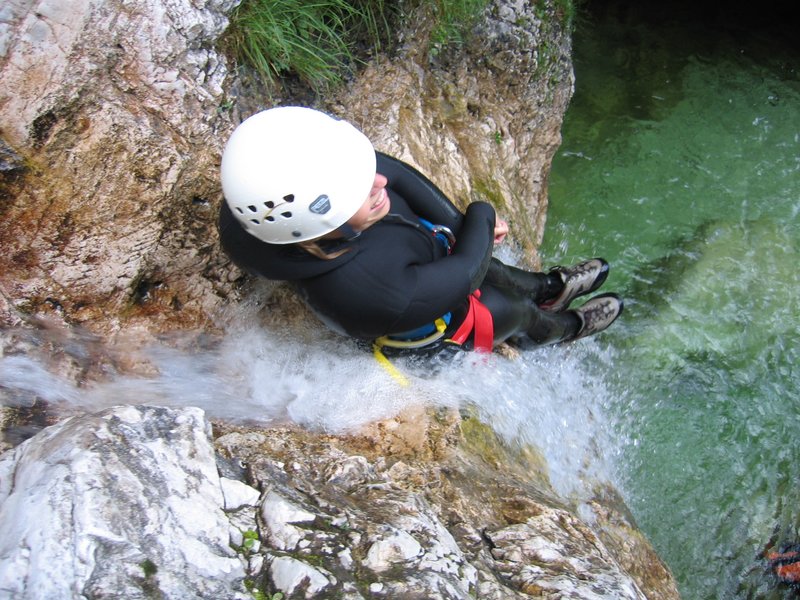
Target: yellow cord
x: 388, y: 366
x: 377, y: 351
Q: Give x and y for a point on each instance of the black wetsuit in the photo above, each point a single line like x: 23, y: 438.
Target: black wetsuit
x: 396, y: 276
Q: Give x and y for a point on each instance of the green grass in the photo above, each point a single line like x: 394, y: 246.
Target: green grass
x: 454, y: 19
x: 314, y: 40
x: 322, y: 41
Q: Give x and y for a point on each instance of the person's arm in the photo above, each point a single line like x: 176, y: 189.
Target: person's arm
x: 475, y: 242
x: 440, y: 286
x: 424, y: 198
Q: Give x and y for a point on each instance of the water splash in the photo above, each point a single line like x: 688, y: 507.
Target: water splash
x: 551, y: 398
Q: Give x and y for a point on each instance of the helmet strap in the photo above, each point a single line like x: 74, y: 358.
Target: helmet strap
x: 348, y: 232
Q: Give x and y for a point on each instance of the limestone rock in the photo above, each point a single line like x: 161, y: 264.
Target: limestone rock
x: 114, y: 108
x: 483, y: 122
x: 114, y: 115
x: 553, y: 553
x: 407, y: 527
x: 128, y: 503
x: 125, y: 503
x: 237, y: 494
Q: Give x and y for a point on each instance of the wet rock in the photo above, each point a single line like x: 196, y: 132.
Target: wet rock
x: 115, y: 113
x: 403, y: 526
x: 114, y: 107
x: 482, y: 120
x: 125, y: 503
x: 12, y: 165
x: 128, y: 503
x: 554, y: 553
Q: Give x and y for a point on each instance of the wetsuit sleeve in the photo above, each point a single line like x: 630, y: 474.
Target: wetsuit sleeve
x: 422, y: 196
x: 476, y: 241
x: 444, y: 283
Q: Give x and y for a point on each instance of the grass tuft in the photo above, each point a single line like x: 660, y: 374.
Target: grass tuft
x: 314, y: 40
x: 454, y: 21
x: 322, y: 41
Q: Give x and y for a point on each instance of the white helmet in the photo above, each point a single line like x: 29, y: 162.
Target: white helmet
x: 291, y: 174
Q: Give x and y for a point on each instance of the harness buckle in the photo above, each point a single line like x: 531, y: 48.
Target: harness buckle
x: 447, y: 233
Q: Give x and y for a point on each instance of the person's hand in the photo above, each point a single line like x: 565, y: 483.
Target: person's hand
x: 500, y: 231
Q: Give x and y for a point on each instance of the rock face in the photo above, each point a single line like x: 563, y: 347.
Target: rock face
x: 114, y: 115
x: 483, y: 122
x: 120, y: 504
x: 369, y: 525
x: 110, y: 116
x: 133, y: 502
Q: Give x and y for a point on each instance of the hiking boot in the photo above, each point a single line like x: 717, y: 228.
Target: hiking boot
x: 597, y: 314
x: 579, y: 280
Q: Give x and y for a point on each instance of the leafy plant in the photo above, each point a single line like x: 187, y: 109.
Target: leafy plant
x: 149, y: 567
x: 250, y: 538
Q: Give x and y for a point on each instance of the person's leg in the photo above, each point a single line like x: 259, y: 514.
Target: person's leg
x: 538, y: 286
x: 517, y: 314
x: 555, y: 290
x: 579, y: 280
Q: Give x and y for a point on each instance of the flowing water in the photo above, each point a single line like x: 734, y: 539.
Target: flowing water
x: 681, y: 165
x: 308, y: 376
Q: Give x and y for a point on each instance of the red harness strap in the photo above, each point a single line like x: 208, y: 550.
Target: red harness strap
x: 479, y: 320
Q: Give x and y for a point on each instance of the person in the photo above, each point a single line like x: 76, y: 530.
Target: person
x: 378, y: 252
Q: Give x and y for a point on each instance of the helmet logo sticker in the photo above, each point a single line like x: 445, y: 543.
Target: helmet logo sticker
x: 321, y: 205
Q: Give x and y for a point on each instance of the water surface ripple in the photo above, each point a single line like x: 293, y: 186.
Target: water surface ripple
x: 681, y: 165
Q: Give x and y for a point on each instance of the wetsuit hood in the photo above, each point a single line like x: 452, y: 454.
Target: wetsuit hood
x: 273, y: 261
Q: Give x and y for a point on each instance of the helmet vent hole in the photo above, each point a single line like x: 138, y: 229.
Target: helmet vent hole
x: 289, y: 198
x: 296, y: 234
x: 239, y: 210
x: 270, y: 219
x: 252, y: 208
x: 286, y: 215
x: 254, y: 221
x: 269, y: 204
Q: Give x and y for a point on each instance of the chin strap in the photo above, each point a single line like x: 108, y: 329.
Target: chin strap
x: 348, y: 233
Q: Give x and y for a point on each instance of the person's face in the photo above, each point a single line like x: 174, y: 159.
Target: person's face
x: 375, y: 207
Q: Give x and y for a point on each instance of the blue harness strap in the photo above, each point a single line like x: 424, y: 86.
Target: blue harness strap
x: 424, y: 331
x: 441, y: 233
